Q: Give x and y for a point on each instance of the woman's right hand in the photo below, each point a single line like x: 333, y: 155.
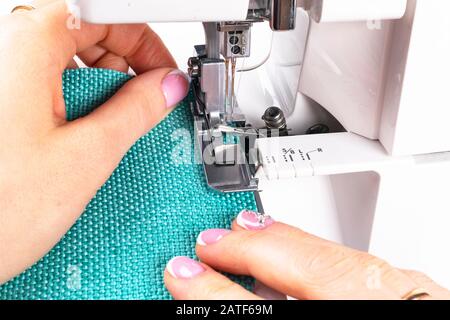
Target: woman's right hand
x: 290, y: 261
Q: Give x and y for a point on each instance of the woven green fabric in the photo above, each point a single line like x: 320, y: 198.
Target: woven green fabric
x: 150, y: 210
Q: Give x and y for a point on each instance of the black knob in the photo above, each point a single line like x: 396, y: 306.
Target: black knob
x: 234, y: 40
x: 274, y: 118
x: 318, y: 129
x: 235, y: 50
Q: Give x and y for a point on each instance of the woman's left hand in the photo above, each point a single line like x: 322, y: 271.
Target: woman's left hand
x: 49, y: 168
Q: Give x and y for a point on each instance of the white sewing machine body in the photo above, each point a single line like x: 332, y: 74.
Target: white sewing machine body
x: 373, y: 72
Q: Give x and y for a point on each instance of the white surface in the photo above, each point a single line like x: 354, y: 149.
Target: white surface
x: 415, y: 118
x: 344, y: 69
x: 412, y: 219
x: 385, y: 80
x: 357, y: 10
x: 132, y: 11
x: 276, y: 81
x: 355, y: 193
x: 323, y: 155
x: 400, y: 215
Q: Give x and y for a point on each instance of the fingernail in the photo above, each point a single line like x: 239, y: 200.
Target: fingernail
x: 211, y: 236
x: 184, y: 268
x: 251, y: 220
x: 175, y: 87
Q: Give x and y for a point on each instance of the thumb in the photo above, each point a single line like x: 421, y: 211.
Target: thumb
x: 110, y: 131
x: 135, y: 109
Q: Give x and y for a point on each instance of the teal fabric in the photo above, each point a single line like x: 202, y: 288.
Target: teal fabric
x: 150, y: 210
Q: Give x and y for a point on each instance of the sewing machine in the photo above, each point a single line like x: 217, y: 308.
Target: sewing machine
x: 334, y: 111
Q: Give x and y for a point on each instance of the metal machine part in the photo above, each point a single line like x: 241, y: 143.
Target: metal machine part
x: 228, y: 165
x: 235, y: 43
x: 318, y: 129
x: 275, y: 122
x: 212, y: 82
x: 274, y: 118
x: 280, y: 13
x: 283, y: 14
x: 235, y: 39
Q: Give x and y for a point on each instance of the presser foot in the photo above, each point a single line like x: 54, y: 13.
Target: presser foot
x: 227, y: 155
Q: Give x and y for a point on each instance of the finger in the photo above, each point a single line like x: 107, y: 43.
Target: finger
x: 140, y: 105
x: 301, y: 265
x: 39, y: 4
x: 91, y: 55
x: 104, y: 136
x: 148, y: 52
x: 111, y: 61
x: 108, y: 63
x: 436, y: 291
x: 187, y: 279
x: 99, y: 57
x: 72, y: 65
x: 141, y: 47
x: 32, y: 33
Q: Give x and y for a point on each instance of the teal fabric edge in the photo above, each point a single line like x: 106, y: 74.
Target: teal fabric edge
x: 150, y: 210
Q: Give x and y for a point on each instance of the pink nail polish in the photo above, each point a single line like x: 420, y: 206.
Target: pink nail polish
x: 175, y: 87
x: 251, y: 220
x: 184, y: 268
x: 211, y: 236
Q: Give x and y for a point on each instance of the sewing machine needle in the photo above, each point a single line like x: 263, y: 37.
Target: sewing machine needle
x: 233, y: 74
x: 227, y: 81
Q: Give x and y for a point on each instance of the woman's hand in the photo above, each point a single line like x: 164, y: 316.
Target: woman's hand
x: 290, y: 261
x: 50, y: 169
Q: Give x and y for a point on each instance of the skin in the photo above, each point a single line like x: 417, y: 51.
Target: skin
x: 306, y: 267
x: 50, y: 169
